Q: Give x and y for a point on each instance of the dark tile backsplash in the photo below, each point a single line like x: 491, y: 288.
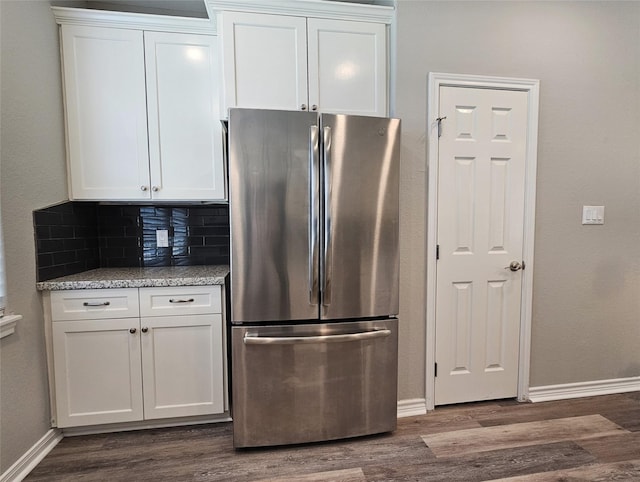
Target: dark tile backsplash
x: 75, y: 236
x: 67, y: 240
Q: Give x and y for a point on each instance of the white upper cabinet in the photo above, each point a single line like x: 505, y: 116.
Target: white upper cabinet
x: 264, y: 60
x: 347, y: 66
x: 142, y: 108
x: 185, y: 133
x: 104, y: 86
x: 298, y: 63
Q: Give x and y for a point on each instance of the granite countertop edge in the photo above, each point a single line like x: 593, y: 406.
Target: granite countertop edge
x: 138, y: 278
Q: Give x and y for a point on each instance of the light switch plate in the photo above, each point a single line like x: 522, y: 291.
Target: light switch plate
x: 592, y: 214
x: 162, y: 238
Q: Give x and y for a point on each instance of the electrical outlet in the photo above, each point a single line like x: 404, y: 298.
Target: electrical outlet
x: 162, y: 238
x: 592, y: 214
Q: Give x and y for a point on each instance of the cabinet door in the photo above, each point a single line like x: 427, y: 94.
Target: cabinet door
x: 97, y: 371
x: 185, y: 134
x: 104, y: 86
x: 182, y: 365
x: 347, y: 67
x: 264, y: 61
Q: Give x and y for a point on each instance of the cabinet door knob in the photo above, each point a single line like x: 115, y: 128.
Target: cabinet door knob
x: 144, y: 188
x: 303, y: 107
x: 155, y: 188
x: 314, y: 107
x: 144, y: 330
x: 132, y: 330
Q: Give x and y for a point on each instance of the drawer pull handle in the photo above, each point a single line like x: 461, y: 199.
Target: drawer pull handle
x: 96, y: 303
x: 173, y: 300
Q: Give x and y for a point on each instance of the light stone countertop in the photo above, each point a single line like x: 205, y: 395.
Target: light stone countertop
x: 138, y: 278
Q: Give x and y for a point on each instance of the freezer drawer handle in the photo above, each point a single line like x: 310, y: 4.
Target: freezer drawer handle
x: 250, y: 339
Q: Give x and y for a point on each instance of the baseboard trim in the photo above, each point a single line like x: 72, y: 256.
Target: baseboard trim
x: 412, y: 407
x: 584, y: 389
x: 32, y: 457
x: 144, y: 424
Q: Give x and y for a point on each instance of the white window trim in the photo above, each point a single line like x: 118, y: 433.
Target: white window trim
x: 8, y: 324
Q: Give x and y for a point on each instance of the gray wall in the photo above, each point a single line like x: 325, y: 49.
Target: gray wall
x: 586, y: 320
x: 586, y: 306
x: 32, y: 176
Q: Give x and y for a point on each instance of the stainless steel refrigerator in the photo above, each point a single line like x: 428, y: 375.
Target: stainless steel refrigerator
x: 314, y: 275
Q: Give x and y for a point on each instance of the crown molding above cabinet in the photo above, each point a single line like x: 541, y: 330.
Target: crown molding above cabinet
x: 307, y: 8
x: 140, y: 21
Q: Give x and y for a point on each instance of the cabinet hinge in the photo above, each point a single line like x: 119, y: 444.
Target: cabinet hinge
x: 435, y: 370
x: 437, y: 251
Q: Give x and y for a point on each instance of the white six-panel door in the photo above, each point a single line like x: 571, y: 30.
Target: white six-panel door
x: 481, y: 194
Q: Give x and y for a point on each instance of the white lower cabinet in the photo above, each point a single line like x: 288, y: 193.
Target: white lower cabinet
x: 114, y: 370
x: 98, y: 371
x: 182, y: 365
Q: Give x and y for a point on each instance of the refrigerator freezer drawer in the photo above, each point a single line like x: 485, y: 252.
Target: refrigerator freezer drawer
x: 306, y: 383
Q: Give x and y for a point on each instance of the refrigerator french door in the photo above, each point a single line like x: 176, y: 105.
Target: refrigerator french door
x: 314, y: 275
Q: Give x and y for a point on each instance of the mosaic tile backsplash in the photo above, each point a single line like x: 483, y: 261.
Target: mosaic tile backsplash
x: 76, y: 236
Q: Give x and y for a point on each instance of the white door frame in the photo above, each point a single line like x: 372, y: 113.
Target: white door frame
x: 532, y: 87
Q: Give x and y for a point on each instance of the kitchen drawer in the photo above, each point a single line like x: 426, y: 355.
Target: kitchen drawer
x: 94, y: 304
x: 180, y: 300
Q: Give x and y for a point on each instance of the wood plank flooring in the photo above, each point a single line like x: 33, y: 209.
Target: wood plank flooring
x: 596, y: 438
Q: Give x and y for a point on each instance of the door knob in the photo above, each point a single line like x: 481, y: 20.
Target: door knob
x: 515, y: 266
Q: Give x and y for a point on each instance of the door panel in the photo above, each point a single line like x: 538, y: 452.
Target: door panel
x: 270, y: 211
x: 480, y: 232
x: 347, y: 67
x: 97, y: 371
x: 264, y: 60
x: 185, y: 134
x: 104, y: 87
x: 360, y: 252
x: 182, y: 365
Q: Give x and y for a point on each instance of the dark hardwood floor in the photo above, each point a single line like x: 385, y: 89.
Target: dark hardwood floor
x: 596, y: 438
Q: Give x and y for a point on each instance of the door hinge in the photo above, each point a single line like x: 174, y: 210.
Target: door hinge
x: 435, y: 370
x: 437, y: 251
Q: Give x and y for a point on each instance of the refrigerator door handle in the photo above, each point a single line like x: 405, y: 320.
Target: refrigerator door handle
x: 250, y: 339
x: 314, y: 208
x: 326, y: 271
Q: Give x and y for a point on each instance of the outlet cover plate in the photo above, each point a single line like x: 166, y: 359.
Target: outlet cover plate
x: 162, y: 238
